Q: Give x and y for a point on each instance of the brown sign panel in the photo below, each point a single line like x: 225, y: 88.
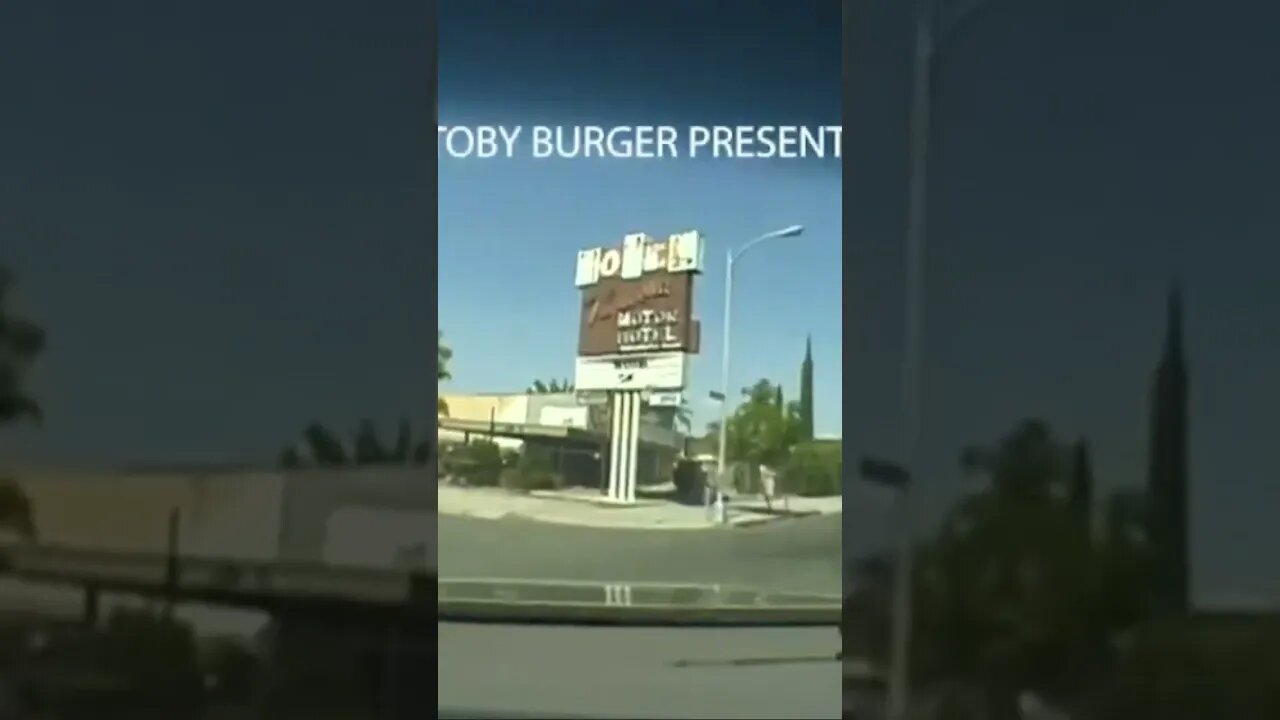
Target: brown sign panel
x: 651, y: 313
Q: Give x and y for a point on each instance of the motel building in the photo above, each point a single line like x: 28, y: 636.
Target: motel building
x: 576, y: 437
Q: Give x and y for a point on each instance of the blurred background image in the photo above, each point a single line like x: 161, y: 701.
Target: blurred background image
x: 215, y: 247
x: 1090, y: 490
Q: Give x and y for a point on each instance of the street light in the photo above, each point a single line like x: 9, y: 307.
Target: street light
x: 732, y: 257
x: 928, y: 17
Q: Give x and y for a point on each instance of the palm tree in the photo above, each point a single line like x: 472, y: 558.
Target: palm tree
x: 15, y: 510
x: 443, y: 356
x: 322, y: 447
x: 552, y: 387
x: 21, y: 342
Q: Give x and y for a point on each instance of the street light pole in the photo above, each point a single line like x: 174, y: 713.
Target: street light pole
x: 921, y: 111
x: 927, y: 20
x: 724, y: 388
x: 732, y: 257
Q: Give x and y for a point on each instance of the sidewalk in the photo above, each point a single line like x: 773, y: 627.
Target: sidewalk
x: 588, y: 509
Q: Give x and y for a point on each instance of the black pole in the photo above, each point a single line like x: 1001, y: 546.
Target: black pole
x: 91, y: 606
x: 171, y: 564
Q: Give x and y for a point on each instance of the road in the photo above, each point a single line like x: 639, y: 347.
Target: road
x: 799, y: 555
x: 602, y: 672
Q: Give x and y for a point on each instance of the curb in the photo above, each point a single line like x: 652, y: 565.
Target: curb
x: 519, y: 515
x: 614, y: 526
x: 664, y: 615
x: 752, y: 522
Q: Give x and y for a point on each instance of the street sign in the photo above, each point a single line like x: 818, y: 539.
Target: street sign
x: 655, y: 371
x: 883, y: 472
x: 666, y: 399
x: 591, y: 397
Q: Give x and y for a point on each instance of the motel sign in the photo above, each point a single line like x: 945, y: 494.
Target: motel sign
x: 641, y: 255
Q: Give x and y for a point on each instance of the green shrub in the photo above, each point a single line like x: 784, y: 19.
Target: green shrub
x: 534, y: 469
x: 535, y: 457
x: 813, y: 470
x: 154, y: 656
x: 233, y: 666
x: 690, y: 481
x: 478, y: 463
x: 522, y: 480
x: 1197, y: 669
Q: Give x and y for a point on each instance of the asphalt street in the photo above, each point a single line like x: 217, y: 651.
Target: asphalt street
x: 799, y: 555
x: 502, y: 671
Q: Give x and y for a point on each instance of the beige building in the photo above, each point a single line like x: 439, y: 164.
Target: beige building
x: 378, y: 517
x: 576, y: 434
x: 559, y: 410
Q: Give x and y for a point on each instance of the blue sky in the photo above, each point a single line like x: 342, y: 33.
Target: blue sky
x: 219, y: 211
x: 509, y: 230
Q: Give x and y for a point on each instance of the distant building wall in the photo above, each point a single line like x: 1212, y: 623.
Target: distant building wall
x: 235, y: 516
x: 371, y: 517
x: 554, y: 408
x: 483, y: 408
x: 574, y: 417
x: 374, y: 516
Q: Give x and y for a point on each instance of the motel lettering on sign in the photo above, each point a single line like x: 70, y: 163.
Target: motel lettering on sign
x: 639, y: 298
x: 641, y: 255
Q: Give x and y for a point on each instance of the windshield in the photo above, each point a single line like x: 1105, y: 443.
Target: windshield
x: 592, y: 193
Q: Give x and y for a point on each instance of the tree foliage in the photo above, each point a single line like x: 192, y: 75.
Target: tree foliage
x: 443, y: 357
x: 21, y: 343
x: 761, y: 431
x: 1016, y: 590
x: 550, y: 387
x: 16, y: 513
x: 814, y: 469
x: 321, y: 447
x: 1020, y: 590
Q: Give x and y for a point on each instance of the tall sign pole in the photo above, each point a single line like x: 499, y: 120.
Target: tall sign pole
x: 636, y: 335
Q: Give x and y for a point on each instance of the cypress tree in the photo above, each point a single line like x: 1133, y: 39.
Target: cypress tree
x: 1082, y: 482
x: 1167, y: 483
x: 806, y: 392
